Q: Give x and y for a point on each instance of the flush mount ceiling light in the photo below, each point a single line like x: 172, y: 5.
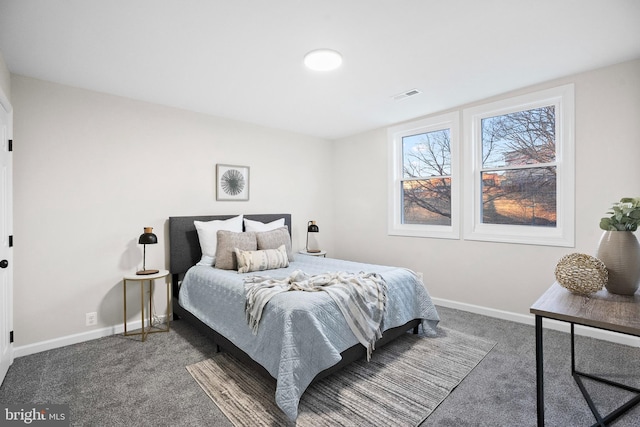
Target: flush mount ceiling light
x: 323, y: 60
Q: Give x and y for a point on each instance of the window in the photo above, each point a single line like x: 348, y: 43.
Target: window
x: 424, y: 178
x: 519, y: 169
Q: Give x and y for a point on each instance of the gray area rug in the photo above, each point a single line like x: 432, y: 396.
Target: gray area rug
x: 402, y: 384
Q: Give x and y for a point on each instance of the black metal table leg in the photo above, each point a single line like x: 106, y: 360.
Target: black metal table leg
x: 577, y: 376
x: 573, y: 350
x: 578, y: 380
x: 539, y: 373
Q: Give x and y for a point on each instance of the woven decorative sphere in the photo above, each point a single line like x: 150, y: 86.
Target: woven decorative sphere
x: 581, y: 274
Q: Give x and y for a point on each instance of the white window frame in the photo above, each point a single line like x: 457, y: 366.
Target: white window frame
x: 395, y: 134
x: 563, y: 233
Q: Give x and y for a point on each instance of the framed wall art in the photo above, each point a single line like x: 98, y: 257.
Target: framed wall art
x: 232, y: 182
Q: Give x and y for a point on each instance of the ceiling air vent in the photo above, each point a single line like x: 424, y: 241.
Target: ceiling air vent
x: 405, y: 95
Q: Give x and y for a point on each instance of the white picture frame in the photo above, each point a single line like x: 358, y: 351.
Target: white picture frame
x: 232, y: 182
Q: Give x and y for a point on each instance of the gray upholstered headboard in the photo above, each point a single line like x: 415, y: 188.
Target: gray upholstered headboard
x: 184, y: 247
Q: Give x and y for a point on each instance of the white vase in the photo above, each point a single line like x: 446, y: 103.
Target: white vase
x: 620, y: 253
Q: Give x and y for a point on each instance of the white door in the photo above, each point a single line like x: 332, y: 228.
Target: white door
x: 6, y: 227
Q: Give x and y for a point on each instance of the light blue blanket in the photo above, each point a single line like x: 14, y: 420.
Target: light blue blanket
x: 301, y: 333
x: 360, y: 297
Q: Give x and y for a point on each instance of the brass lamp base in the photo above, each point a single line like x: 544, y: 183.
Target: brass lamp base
x: 146, y: 272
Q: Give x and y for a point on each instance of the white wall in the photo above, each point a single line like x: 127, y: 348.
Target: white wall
x: 91, y: 170
x: 506, y: 277
x: 5, y: 78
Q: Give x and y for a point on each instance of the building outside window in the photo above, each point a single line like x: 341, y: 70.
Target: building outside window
x: 517, y: 175
x: 424, y: 178
x: 519, y: 169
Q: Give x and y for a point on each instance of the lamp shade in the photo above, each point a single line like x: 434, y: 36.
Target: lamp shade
x: 148, y: 238
x: 312, y: 243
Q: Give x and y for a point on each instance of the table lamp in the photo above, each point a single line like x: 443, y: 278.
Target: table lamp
x: 147, y: 238
x: 312, y: 228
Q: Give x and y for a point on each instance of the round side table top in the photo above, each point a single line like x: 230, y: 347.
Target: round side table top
x: 321, y: 253
x: 158, y: 275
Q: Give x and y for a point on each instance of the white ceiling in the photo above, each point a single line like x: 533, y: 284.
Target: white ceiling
x: 242, y: 59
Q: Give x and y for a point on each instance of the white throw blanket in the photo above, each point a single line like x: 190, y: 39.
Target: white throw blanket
x: 360, y: 297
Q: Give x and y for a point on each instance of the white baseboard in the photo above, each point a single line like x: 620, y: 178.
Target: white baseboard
x: 629, y: 340
x: 529, y: 319
x: 25, y: 350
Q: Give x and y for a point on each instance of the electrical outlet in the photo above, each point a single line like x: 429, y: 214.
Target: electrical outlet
x: 92, y: 318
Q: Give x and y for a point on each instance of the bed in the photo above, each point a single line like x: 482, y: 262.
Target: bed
x: 302, y: 337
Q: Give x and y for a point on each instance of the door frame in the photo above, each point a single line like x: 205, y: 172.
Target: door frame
x: 6, y: 105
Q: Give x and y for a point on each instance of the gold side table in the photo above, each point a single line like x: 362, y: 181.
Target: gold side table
x: 141, y: 279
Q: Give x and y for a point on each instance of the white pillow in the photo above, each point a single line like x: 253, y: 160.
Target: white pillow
x: 208, y: 236
x: 250, y: 225
x: 261, y: 260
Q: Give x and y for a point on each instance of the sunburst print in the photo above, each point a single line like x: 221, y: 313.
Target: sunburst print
x: 232, y: 182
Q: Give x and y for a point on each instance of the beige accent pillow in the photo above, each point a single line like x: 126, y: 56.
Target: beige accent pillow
x: 227, y: 242
x: 261, y: 260
x: 274, y: 239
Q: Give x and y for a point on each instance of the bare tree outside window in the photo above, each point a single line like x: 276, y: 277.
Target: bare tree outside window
x: 426, y: 183
x: 518, y: 168
x: 500, y: 171
x: 518, y: 171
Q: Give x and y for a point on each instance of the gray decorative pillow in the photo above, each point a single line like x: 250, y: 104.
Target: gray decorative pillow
x: 274, y: 239
x: 227, y: 242
x: 261, y: 260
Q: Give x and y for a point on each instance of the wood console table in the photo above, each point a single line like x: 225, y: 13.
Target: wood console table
x: 617, y: 313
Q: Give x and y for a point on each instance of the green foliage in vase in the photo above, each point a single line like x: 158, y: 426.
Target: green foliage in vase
x: 625, y: 215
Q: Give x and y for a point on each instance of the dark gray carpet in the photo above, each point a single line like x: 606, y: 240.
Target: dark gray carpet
x: 501, y: 391
x: 117, y: 381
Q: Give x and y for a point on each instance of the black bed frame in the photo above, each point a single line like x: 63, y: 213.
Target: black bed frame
x: 184, y: 251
